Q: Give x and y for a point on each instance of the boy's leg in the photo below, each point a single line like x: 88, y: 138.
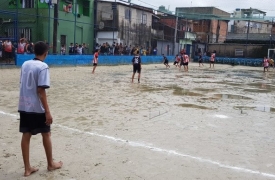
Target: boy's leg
x: 133, y: 77
x: 25, y: 146
x: 93, y: 69
x: 138, y: 77
x: 47, y: 143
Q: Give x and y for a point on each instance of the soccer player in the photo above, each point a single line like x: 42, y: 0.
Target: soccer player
x: 136, y: 66
x: 165, y: 61
x: 185, y: 61
x: 266, y: 64
x: 212, y: 58
x: 200, y: 60
x: 35, y: 116
x: 177, y: 60
x: 95, y: 60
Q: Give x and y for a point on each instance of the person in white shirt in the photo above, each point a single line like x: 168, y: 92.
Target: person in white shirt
x: 35, y: 116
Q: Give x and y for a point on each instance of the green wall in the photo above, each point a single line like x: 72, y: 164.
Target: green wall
x: 38, y: 20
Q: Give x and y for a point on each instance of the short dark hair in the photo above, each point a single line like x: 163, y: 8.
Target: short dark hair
x: 40, y: 48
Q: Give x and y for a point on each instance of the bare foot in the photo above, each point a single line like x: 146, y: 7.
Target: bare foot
x: 55, y: 165
x: 30, y: 171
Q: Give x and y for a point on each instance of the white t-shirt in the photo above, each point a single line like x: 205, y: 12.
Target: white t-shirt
x: 34, y: 74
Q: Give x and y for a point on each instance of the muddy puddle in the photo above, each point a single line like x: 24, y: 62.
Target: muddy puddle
x: 146, y: 88
x: 204, y: 90
x: 225, y: 96
x: 256, y: 108
x: 254, y: 90
x: 178, y: 91
x: 262, y: 86
x: 193, y: 106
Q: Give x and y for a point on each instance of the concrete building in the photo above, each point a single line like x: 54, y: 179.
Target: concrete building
x: 123, y: 23
x: 209, y: 23
x: 250, y: 26
x: 255, y: 21
x: 35, y: 21
x: 185, y: 36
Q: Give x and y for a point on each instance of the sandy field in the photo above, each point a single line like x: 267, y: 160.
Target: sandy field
x: 204, y: 124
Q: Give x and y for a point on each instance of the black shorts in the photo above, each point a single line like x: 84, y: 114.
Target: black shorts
x: 94, y: 64
x: 265, y: 67
x: 200, y: 61
x: 33, y: 123
x: 212, y: 62
x: 8, y: 55
x: 136, y: 68
x: 176, y: 62
x: 165, y: 62
x: 185, y: 64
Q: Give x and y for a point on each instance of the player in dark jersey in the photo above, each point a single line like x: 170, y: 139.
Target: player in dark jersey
x: 177, y: 60
x: 200, y: 60
x: 136, y: 66
x: 165, y: 61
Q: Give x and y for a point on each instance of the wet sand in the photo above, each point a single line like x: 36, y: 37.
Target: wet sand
x: 204, y: 124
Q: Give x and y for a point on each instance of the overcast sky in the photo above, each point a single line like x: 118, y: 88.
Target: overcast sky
x: 226, y: 5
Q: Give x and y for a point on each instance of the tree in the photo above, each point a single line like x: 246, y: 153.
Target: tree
x: 55, y: 27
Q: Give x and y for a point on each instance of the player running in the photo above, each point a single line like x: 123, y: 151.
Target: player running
x: 165, y: 61
x: 136, y: 66
x: 177, y: 61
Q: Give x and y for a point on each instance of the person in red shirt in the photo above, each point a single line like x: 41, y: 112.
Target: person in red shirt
x: 8, y: 50
x: 186, y: 61
x: 95, y: 60
x: 266, y: 64
x: 212, y: 58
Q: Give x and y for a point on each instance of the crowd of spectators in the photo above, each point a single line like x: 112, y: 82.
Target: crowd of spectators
x: 119, y: 49
x: 8, y: 50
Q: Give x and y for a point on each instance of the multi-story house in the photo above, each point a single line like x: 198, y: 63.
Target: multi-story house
x: 250, y: 26
x: 34, y: 19
x: 185, y: 36
x: 209, y: 23
x: 123, y: 23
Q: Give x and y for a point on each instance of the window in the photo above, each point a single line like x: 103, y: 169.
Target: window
x: 86, y: 8
x: 22, y: 33
x: 27, y: 3
x: 106, y: 13
x: 144, y: 19
x: 128, y: 14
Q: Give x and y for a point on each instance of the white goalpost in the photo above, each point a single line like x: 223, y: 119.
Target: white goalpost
x: 271, y: 54
x: 271, y: 57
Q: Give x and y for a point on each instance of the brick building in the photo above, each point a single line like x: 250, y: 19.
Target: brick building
x: 209, y: 23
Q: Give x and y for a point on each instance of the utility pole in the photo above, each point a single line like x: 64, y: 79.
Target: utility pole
x: 55, y: 27
x: 49, y: 22
x: 75, y: 11
x: 271, y: 33
x: 175, y: 35
x: 248, y: 26
x: 114, y: 8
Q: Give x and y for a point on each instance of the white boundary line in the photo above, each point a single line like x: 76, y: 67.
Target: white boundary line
x: 152, y: 148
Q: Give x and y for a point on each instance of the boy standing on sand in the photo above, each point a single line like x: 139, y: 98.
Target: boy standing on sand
x: 266, y: 64
x: 212, y: 58
x: 165, y: 61
x: 35, y: 116
x: 95, y: 60
x: 136, y: 66
x: 200, y: 60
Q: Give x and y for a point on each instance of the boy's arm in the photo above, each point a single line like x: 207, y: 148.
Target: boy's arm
x: 43, y: 98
